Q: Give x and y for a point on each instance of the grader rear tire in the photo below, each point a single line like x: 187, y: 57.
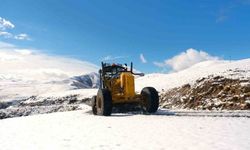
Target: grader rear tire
x: 104, y: 102
x: 150, y: 99
x: 93, y: 104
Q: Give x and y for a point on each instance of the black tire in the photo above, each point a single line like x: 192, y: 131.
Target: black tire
x: 93, y: 105
x: 104, y: 102
x: 150, y: 99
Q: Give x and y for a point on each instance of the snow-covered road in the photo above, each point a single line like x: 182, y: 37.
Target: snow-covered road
x: 167, y: 130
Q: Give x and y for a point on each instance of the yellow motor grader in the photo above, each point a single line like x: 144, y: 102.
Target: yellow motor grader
x: 117, y: 86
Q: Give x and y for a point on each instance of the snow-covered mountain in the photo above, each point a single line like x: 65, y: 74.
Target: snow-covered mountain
x: 229, y: 69
x: 90, y: 80
x: 86, y: 81
x: 28, y: 72
x: 15, y: 88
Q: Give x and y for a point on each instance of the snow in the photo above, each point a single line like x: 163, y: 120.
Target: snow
x: 28, y: 72
x: 83, y: 93
x: 17, y: 89
x: 81, y: 130
x: 52, y: 75
x: 230, y: 69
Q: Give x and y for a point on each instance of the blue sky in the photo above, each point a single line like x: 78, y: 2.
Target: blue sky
x: 92, y: 30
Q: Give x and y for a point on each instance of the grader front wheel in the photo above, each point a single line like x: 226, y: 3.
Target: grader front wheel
x: 93, y: 104
x: 150, y: 99
x: 103, y: 102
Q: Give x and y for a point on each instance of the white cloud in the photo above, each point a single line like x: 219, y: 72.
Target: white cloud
x: 221, y: 18
x: 5, y: 34
x: 225, y: 11
x: 186, y: 59
x: 34, y: 65
x: 159, y: 64
x: 24, y: 51
x: 107, y: 58
x: 142, y: 58
x: 5, y: 24
x: 111, y: 58
x: 22, y: 36
x: 4, y: 45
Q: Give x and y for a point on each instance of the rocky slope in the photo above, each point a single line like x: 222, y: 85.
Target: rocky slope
x: 210, y: 93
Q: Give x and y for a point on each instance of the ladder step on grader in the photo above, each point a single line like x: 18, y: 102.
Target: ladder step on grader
x: 117, y: 87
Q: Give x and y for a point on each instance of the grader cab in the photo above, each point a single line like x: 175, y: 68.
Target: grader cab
x: 117, y: 86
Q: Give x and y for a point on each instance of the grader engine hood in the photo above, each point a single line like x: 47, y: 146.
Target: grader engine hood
x: 127, y: 84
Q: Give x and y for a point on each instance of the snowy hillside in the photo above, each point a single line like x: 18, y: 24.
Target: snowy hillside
x: 190, y: 75
x: 32, y: 82
x: 17, y: 88
x: 53, y: 75
x: 27, y: 72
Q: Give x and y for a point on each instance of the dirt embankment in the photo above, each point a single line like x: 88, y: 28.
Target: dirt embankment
x: 211, y: 93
